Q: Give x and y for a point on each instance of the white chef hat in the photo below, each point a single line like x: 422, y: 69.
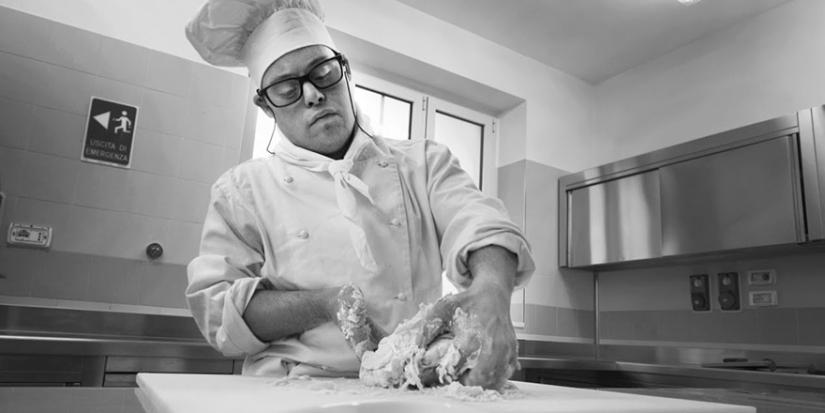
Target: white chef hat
x: 255, y: 33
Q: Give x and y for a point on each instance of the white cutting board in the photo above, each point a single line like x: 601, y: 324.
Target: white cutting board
x: 199, y: 393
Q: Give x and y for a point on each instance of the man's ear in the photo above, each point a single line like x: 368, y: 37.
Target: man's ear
x: 261, y: 103
x: 347, y: 69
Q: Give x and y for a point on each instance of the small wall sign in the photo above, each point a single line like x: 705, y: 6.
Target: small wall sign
x: 110, y: 131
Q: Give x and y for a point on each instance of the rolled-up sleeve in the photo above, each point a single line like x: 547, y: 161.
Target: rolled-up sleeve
x: 226, y: 273
x: 467, y: 219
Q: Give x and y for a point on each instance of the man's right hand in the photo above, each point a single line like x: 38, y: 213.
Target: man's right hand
x: 360, y: 331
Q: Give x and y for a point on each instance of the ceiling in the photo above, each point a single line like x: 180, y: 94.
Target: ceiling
x: 593, y: 40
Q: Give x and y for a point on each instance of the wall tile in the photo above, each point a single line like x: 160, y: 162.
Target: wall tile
x: 113, y: 280
x: 542, y: 213
x: 25, y: 80
x: 16, y: 121
x: 56, y: 132
x: 169, y: 74
x: 776, y: 325
x: 231, y: 158
x: 128, y: 235
x: 511, y: 190
x: 69, y: 90
x: 183, y: 241
x: 7, y: 209
x: 122, y: 61
x: 213, y: 124
x: 39, y: 176
x: 190, y: 201
x: 574, y: 323
x: 811, y: 326
x: 154, y: 195
x: 86, y: 225
x: 18, y: 267
x: 105, y: 187
x: 540, y: 319
x: 165, y: 113
x: 210, y: 84
x: 73, y: 48
x: 158, y: 153
x: 63, y: 275
x: 24, y: 34
x: 201, y: 162
x: 162, y: 285
x: 118, y: 91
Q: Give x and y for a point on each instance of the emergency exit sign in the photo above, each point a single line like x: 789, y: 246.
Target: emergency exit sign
x: 110, y: 132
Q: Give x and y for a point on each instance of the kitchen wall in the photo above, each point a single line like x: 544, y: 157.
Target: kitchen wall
x: 768, y: 66
x: 190, y: 126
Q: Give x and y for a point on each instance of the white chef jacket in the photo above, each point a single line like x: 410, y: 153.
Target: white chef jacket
x: 403, y: 210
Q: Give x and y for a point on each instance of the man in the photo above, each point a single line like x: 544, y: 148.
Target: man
x: 306, y: 256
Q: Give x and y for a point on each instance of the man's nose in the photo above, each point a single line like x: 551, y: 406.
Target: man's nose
x: 312, y: 96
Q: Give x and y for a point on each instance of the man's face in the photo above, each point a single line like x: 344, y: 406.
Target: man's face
x: 321, y: 120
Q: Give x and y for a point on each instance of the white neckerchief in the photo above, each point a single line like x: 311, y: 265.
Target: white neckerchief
x: 347, y: 186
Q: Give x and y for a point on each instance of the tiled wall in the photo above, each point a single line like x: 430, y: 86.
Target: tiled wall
x: 653, y: 304
x: 189, y: 130
x: 558, y: 304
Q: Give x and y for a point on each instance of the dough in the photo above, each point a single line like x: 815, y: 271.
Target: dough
x: 399, y: 361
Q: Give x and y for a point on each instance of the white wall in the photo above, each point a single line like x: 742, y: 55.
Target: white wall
x: 771, y: 65
x: 558, y: 105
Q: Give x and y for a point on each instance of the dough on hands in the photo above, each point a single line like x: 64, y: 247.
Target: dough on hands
x: 352, y: 319
x: 399, y: 361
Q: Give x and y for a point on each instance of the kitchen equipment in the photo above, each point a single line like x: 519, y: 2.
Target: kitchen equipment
x: 755, y: 188
x: 182, y: 393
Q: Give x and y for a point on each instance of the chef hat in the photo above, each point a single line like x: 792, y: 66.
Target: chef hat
x: 255, y: 33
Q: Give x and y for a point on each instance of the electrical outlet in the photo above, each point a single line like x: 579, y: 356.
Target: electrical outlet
x: 699, y: 292
x: 763, y: 298
x: 761, y: 277
x: 728, y: 283
x: 36, y: 236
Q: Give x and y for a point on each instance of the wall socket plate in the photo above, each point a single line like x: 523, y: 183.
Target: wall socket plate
x: 728, y: 291
x: 761, y: 277
x: 28, y: 235
x: 699, y: 292
x: 765, y: 298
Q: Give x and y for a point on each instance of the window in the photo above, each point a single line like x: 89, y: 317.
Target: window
x: 388, y: 116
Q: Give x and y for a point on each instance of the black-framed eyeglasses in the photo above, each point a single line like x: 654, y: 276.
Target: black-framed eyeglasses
x: 326, y: 73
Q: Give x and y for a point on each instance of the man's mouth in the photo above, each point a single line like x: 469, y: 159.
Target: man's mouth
x: 323, y: 114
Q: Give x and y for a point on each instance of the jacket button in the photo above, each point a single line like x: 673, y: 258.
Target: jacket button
x: 302, y: 234
x: 401, y: 296
x: 382, y: 163
x: 288, y: 179
x: 395, y: 222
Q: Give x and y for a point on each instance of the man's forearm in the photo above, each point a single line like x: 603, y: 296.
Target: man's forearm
x: 273, y: 315
x: 493, y: 267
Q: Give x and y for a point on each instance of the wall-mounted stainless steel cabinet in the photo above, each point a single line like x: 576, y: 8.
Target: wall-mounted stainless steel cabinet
x: 740, y: 198
x: 615, y: 221
x: 761, y: 185
x: 812, y: 148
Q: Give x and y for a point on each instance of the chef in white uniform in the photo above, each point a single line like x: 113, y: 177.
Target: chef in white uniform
x: 337, y: 206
